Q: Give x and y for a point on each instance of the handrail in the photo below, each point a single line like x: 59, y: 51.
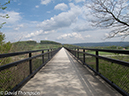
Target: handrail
x: 106, y: 50
x: 3, y: 67
x: 100, y: 64
x: 14, y: 75
x: 19, y: 53
x: 106, y: 58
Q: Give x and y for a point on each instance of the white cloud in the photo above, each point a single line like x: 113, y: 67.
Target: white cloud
x: 80, y: 28
x: 37, y: 6
x: 61, y: 6
x: 34, y: 34
x: 77, y: 1
x: 13, y: 17
x: 18, y: 27
x: 45, y: 2
x: 30, y: 39
x: 47, y: 32
x: 70, y: 0
x: 64, y: 19
x: 88, y: 36
x: 46, y: 38
x: 48, y: 11
x: 71, y: 35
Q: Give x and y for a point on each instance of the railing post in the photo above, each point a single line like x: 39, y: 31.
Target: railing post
x: 30, y: 64
x: 78, y: 53
x: 42, y: 57
x: 51, y: 53
x: 48, y: 54
x: 83, y: 56
x: 97, y: 62
x: 75, y: 52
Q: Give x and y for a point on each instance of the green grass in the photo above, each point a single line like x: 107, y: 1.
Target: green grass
x: 28, y: 47
x: 36, y: 63
x: 100, y: 53
x: 9, y: 78
x: 105, y: 53
x: 116, y: 73
x: 45, y: 46
x: 122, y: 58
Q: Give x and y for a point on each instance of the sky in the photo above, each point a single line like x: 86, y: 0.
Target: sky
x: 64, y: 21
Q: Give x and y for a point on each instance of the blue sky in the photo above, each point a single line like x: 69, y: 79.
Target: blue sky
x: 64, y: 21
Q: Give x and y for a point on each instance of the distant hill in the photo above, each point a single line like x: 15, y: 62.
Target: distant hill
x: 33, y: 45
x: 34, y: 42
x: 123, y: 44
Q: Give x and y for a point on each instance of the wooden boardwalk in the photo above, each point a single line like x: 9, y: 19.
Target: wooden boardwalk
x: 64, y: 76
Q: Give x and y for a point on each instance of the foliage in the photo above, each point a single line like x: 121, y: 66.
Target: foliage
x: 4, y: 48
x: 48, y: 42
x: 3, y: 7
x: 33, y: 45
x: 2, y: 37
x: 23, y: 46
x: 29, y: 42
x: 71, y: 46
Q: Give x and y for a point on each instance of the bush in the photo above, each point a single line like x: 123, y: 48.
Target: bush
x: 4, y: 48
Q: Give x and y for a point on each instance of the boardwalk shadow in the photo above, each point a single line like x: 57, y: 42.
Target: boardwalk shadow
x: 55, y: 79
x: 63, y: 76
x: 93, y: 84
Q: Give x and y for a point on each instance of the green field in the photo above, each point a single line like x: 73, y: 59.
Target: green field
x: 100, y: 53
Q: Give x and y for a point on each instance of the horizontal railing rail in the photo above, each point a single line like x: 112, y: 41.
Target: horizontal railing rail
x: 111, y: 69
x: 105, y: 58
x: 20, y: 53
x: 108, y: 50
x: 15, y: 74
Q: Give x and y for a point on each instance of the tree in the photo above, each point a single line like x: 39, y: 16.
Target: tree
x: 48, y: 42
x: 3, y: 7
x: 4, y: 47
x: 113, y: 14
